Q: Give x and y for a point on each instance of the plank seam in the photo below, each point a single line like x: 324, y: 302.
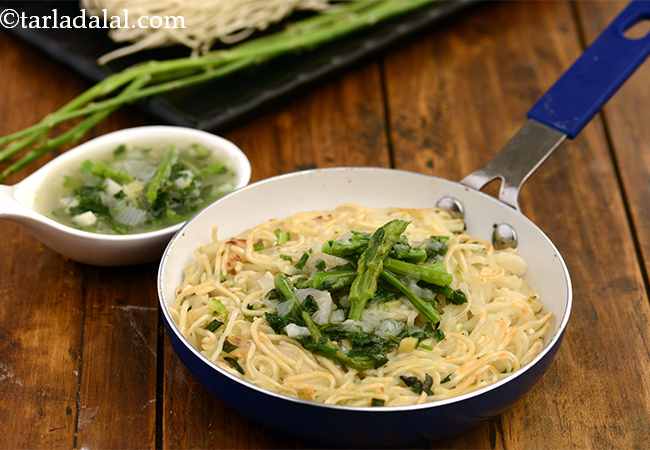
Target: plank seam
x: 386, y: 109
x: 582, y: 39
x: 500, y: 433
x: 80, y: 360
x: 160, y: 380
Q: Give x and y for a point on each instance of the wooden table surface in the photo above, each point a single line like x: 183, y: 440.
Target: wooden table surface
x: 85, y: 362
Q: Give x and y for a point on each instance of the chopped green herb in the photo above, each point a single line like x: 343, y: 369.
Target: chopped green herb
x: 214, y: 325
x: 276, y: 322
x: 71, y: 183
x: 234, y: 364
x: 454, y: 296
x: 258, y: 246
x: 418, y: 386
x: 446, y: 379
x: 217, y: 307
x: 199, y: 151
x: 302, y: 261
x: 428, y: 382
x: 293, y: 307
x: 214, y: 169
x: 439, y: 335
x: 425, y: 347
x: 228, y: 347
x: 436, y: 246
x: 287, y: 258
x: 310, y: 305
x: 457, y: 297
x: 384, y: 295
x: 377, y: 402
x: 120, y: 150
x: 282, y: 236
x: 320, y: 265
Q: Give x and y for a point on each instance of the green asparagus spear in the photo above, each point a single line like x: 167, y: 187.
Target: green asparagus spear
x: 434, y: 273
x: 333, y: 279
x: 69, y: 137
x: 358, y: 242
x: 319, y: 344
x: 163, y: 76
x: 425, y: 308
x: 162, y: 174
x: 353, y: 246
x: 102, y: 170
x: 457, y: 297
x: 403, y: 251
x: 370, y: 265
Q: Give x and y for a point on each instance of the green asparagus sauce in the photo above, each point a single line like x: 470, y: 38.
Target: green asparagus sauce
x: 136, y: 190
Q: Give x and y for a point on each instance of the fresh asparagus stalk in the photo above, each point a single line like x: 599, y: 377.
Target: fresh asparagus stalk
x: 425, y: 308
x: 370, y: 265
x: 431, y: 273
x: 404, y: 252
x: 319, y: 344
x: 161, y: 175
x: 163, y: 76
x: 353, y: 246
x: 358, y: 242
x: 102, y: 170
x: 333, y: 279
x: 71, y: 136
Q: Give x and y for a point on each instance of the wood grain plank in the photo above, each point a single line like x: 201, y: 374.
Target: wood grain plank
x: 340, y: 123
x: 40, y: 292
x: 40, y: 343
x: 117, y: 398
x: 107, y: 319
x: 626, y: 116
x: 455, y: 98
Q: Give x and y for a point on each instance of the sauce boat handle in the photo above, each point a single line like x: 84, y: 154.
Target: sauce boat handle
x: 8, y: 204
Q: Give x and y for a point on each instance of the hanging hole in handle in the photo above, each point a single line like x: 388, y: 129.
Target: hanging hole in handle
x: 638, y: 30
x: 493, y: 187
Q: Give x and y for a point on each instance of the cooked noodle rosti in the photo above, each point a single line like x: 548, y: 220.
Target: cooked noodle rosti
x: 490, y: 324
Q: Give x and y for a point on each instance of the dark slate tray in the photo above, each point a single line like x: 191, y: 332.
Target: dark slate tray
x: 220, y: 103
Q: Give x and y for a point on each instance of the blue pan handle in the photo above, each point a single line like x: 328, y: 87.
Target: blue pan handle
x: 583, y: 89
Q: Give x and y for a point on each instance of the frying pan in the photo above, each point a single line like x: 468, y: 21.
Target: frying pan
x: 561, y: 113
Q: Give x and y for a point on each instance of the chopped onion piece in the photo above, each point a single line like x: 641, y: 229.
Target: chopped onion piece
x: 111, y: 187
x: 87, y: 219
x: 389, y: 328
x: 69, y: 202
x: 294, y: 331
x: 184, y: 180
x: 337, y: 316
x: 266, y: 282
x: 283, y: 308
x: 130, y: 216
x: 324, y: 301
